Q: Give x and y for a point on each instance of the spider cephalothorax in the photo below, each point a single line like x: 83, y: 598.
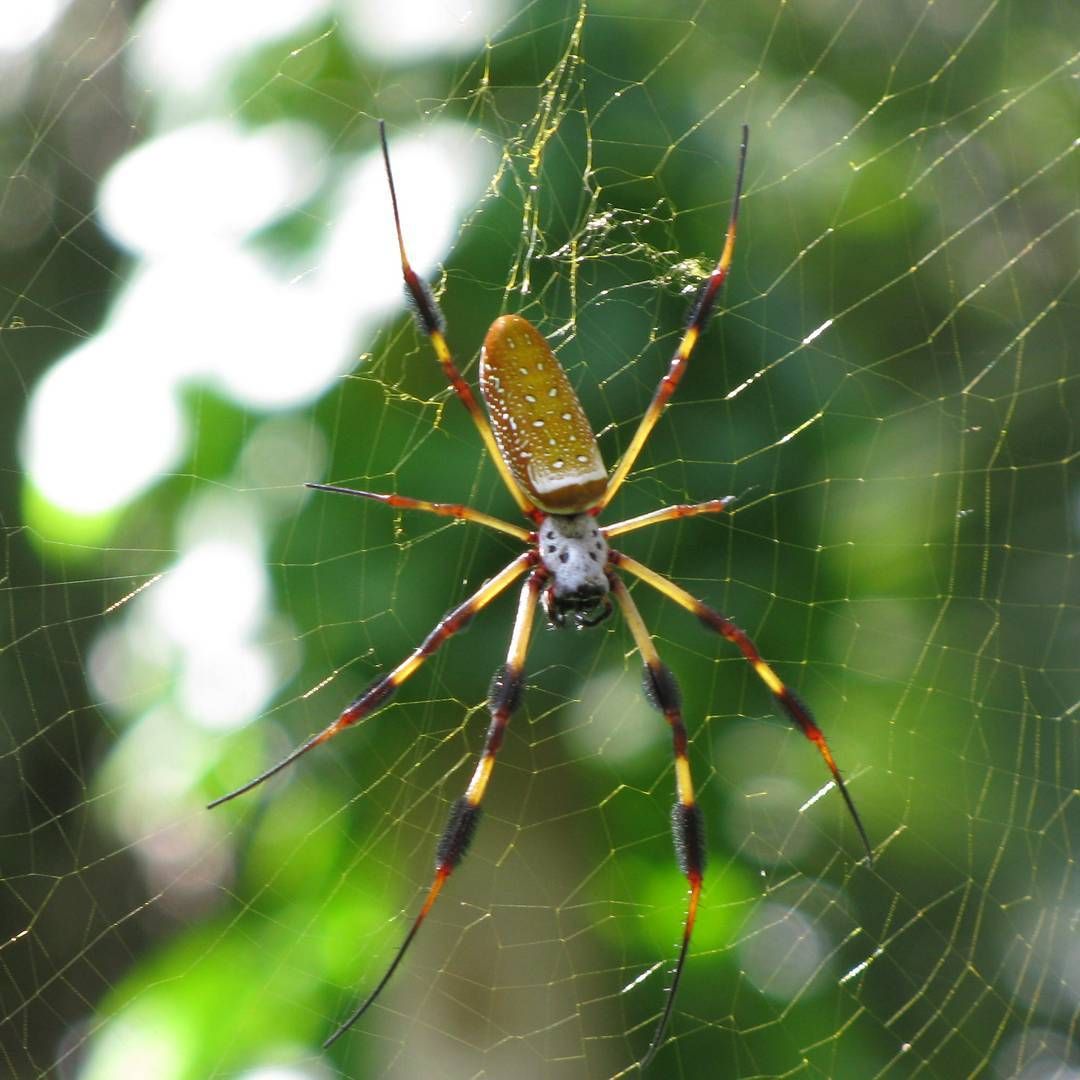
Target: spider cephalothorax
x: 541, y: 443
x: 574, y: 552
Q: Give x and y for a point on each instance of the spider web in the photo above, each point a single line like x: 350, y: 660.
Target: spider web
x: 193, y: 328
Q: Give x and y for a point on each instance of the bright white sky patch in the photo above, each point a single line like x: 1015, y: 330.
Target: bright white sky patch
x: 187, y: 46
x: 420, y: 28
x: 274, y: 335
x: 219, y: 577
x: 226, y: 686
x: 101, y: 426
x: 226, y: 316
x: 202, y: 628
x: 438, y: 175
x: 140, y: 1041
x: 22, y: 24
x: 207, y: 306
x: 213, y: 605
x: 212, y: 180
x: 307, y: 1071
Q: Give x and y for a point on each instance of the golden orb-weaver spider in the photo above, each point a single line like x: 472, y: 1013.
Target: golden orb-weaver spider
x: 540, y: 441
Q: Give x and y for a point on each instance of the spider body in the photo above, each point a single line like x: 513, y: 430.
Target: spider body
x: 574, y: 553
x: 540, y: 441
x: 541, y: 429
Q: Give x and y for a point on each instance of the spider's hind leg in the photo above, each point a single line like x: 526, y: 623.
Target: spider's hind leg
x: 380, y: 691
x: 503, y: 699
x: 793, y: 706
x: 688, y: 828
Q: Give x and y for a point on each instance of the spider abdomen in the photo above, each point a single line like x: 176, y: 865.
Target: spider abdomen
x: 541, y: 429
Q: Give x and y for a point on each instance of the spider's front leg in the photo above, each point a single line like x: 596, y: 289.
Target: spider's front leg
x: 695, y: 327
x: 503, y: 699
x: 431, y: 321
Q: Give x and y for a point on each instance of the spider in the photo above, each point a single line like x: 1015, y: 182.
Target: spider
x: 546, y: 453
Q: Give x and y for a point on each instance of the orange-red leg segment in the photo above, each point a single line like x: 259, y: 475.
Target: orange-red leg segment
x: 454, y: 510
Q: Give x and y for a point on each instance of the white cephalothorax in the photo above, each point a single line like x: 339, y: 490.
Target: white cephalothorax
x: 575, y: 552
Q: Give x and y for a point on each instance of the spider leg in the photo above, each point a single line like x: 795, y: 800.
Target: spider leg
x: 503, y: 699
x: 794, y: 708
x: 668, y: 513
x: 699, y: 317
x: 382, y: 688
x: 454, y: 510
x: 686, y: 824
x: 431, y: 321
